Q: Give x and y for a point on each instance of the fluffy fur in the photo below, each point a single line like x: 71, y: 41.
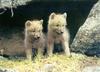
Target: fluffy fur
x: 57, y: 33
x: 34, y: 37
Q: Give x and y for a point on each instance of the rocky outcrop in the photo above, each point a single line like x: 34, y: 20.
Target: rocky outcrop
x: 87, y: 39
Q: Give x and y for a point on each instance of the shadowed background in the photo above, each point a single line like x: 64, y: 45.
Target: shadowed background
x: 12, y: 28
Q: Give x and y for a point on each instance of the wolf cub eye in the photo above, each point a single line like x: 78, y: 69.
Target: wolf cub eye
x: 39, y: 30
x: 33, y: 31
x: 57, y: 25
x: 62, y: 25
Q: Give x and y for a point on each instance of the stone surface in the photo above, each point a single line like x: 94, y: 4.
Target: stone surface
x: 91, y: 69
x: 87, y: 39
x: 11, y: 43
x: 13, y: 3
x: 8, y: 70
x: 3, y: 58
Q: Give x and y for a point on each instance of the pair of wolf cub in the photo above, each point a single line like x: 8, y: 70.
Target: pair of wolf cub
x: 57, y: 33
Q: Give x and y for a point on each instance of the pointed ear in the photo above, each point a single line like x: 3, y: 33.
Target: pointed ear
x: 52, y: 15
x: 28, y: 23
x: 65, y: 15
x: 41, y: 21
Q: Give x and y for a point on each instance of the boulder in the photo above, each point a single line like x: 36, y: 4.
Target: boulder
x: 87, y: 39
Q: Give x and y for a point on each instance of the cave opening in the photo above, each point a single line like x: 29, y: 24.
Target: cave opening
x: 77, y: 12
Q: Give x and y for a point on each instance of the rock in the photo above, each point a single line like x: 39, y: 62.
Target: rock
x: 48, y: 67
x: 14, y: 3
x: 87, y: 40
x: 12, y: 44
x: 91, y: 69
x: 2, y: 58
x: 8, y: 70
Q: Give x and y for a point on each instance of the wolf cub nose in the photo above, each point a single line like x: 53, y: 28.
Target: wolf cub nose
x: 61, y: 32
x: 38, y: 37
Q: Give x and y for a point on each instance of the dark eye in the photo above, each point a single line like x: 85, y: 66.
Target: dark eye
x: 57, y: 25
x: 33, y: 31
x: 39, y: 30
x: 62, y: 25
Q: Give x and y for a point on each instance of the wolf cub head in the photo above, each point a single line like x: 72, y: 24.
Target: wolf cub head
x: 57, y: 23
x: 34, y: 28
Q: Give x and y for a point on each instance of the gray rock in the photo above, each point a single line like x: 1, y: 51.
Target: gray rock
x: 13, y: 3
x: 48, y: 67
x: 8, y: 70
x: 2, y: 58
x: 91, y: 69
x: 87, y: 39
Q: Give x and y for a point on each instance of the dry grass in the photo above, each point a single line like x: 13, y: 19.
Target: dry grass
x: 56, y: 63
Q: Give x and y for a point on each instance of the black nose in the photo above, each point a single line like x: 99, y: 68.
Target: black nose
x: 38, y: 37
x: 61, y: 32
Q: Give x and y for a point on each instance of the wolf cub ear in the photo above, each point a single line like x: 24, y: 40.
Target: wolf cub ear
x: 28, y: 23
x: 65, y: 15
x: 41, y: 21
x: 52, y: 15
